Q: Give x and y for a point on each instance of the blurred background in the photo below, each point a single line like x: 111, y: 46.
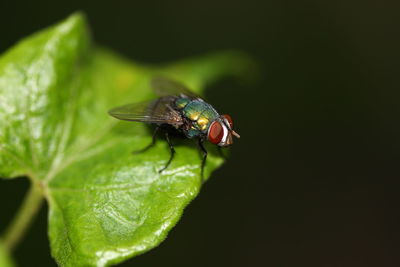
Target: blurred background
x: 314, y: 180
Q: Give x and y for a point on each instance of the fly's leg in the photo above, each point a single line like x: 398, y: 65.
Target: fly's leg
x: 171, y: 148
x: 153, y: 142
x: 203, y: 162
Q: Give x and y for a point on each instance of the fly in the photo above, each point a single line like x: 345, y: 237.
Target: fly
x: 182, y: 110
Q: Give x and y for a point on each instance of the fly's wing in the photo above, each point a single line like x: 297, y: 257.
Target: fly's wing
x: 164, y: 87
x: 158, y: 111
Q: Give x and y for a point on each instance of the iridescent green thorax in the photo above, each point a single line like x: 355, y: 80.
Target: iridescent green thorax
x: 182, y: 102
x: 199, y: 112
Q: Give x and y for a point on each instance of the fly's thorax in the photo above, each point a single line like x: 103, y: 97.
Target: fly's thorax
x: 200, y: 113
x: 181, y: 102
x: 193, y: 132
x: 194, y: 108
x: 205, y: 119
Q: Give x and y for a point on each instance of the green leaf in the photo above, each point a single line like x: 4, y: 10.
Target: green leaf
x: 105, y: 203
x: 5, y: 260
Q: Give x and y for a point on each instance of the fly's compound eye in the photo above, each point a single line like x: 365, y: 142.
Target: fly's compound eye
x: 216, y: 132
x: 229, y: 119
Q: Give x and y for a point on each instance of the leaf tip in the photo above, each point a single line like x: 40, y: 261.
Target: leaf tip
x: 78, y: 17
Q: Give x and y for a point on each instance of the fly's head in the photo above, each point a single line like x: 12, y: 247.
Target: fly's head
x: 221, y: 130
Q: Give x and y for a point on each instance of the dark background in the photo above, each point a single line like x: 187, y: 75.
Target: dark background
x: 314, y: 181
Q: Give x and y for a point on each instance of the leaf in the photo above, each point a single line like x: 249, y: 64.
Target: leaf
x: 105, y: 204
x: 5, y: 260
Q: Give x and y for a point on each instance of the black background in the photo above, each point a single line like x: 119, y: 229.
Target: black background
x: 314, y: 180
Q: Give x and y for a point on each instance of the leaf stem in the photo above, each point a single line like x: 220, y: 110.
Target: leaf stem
x: 30, y: 206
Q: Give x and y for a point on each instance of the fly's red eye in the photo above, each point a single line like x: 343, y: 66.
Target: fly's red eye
x: 229, y: 119
x: 215, y: 133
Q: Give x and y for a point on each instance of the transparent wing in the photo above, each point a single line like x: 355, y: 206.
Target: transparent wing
x: 164, y: 87
x: 158, y: 111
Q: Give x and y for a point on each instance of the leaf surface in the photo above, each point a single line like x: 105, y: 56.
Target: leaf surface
x: 5, y: 260
x: 105, y: 203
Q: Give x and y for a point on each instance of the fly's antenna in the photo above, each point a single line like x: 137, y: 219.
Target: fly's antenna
x: 235, y: 134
